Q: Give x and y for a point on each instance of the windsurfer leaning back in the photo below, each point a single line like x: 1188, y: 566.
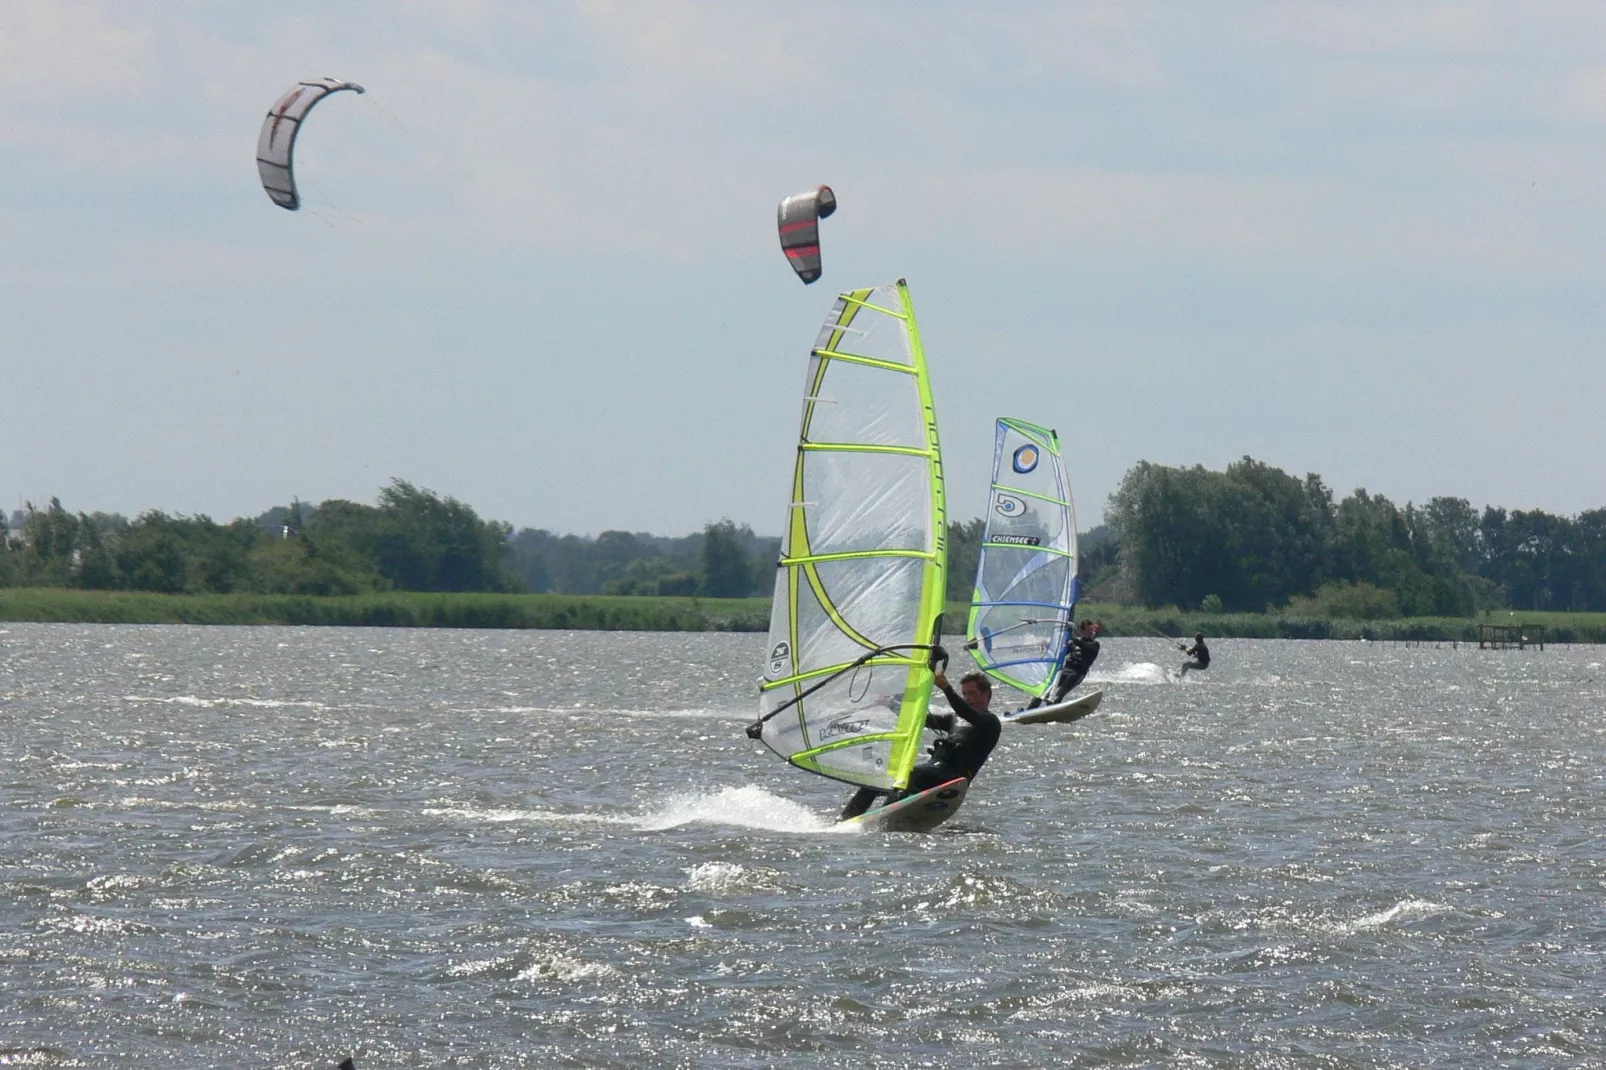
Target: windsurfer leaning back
x: 959, y: 750
x: 1081, y: 651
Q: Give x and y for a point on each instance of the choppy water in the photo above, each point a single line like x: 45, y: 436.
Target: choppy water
x: 253, y: 847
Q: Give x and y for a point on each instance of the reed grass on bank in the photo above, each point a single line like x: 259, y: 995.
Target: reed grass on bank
x: 1128, y: 621
x: 414, y: 609
x: 394, y: 609
x: 1133, y: 621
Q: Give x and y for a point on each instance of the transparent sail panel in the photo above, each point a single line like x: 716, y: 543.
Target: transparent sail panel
x: 863, y: 404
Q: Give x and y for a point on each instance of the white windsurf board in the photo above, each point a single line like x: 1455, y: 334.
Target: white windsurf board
x: 1059, y: 713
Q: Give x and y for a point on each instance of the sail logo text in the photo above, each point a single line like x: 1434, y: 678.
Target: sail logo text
x: 1018, y: 540
x: 844, y: 727
x: 1009, y: 505
x: 780, y: 654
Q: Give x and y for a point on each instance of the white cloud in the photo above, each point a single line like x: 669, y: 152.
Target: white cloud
x: 520, y: 161
x: 86, y: 51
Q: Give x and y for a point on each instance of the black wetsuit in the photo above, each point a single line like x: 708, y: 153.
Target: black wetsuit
x: 1079, y: 657
x: 1200, y: 655
x: 969, y: 736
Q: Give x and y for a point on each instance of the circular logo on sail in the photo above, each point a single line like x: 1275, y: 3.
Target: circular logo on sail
x: 1026, y: 458
x: 1008, y: 505
x: 780, y: 656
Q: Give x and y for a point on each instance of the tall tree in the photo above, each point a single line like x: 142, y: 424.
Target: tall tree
x: 727, y: 572
x: 964, y: 553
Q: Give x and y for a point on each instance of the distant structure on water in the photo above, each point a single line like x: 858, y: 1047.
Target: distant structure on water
x: 1510, y: 636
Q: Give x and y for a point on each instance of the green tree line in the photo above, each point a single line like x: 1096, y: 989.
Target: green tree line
x: 1253, y: 538
x: 1245, y: 539
x: 723, y: 560
x: 410, y: 540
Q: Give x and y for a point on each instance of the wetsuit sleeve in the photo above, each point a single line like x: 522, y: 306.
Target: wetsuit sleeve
x: 940, y: 722
x: 965, y: 711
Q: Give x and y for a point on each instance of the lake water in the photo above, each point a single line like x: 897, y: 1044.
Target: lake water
x: 264, y: 847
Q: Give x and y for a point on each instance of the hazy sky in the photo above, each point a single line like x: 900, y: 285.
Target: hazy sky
x: 537, y: 270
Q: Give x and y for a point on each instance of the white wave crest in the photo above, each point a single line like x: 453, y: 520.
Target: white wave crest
x: 213, y: 703
x: 1137, y: 672
x: 535, y: 817
x: 1403, y: 912
x: 744, y: 807
x: 556, y: 966
x: 724, y: 878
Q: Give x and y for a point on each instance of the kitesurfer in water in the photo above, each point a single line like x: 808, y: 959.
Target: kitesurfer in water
x: 967, y: 736
x: 1080, y: 653
x: 1198, y: 652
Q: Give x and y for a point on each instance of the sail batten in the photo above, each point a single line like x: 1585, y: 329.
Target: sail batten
x: 853, y: 358
x: 858, y: 598
x: 1025, y: 594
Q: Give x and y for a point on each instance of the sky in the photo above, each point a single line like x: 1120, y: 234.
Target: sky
x: 536, y: 267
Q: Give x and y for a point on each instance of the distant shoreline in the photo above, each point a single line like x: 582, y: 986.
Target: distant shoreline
x: 598, y: 612
x: 394, y: 609
x: 1129, y: 621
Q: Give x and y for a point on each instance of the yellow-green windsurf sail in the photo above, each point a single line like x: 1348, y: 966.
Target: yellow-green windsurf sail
x: 859, y: 593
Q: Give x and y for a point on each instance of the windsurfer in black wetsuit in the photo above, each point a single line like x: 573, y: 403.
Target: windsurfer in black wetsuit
x: 1080, y: 653
x: 1198, y: 652
x: 968, y: 736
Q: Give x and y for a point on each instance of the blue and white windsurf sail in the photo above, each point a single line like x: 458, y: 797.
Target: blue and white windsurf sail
x: 1025, y: 599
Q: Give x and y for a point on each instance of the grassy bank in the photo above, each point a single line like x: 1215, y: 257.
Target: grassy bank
x: 1133, y: 620
x: 411, y: 609
x: 396, y: 609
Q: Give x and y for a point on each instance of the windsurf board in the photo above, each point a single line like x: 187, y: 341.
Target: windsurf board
x: 1059, y: 713
x: 916, y: 813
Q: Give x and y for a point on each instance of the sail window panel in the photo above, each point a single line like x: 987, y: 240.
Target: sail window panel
x: 822, y: 641
x: 1003, y: 631
x: 1019, y: 517
x: 869, y: 332
x: 863, y: 764
x: 825, y: 622
x: 867, y: 600
x: 839, y: 711
x: 1026, y: 658
x: 876, y: 599
x: 1042, y: 485
x: 862, y: 405
x: 866, y: 501
x: 1010, y: 575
